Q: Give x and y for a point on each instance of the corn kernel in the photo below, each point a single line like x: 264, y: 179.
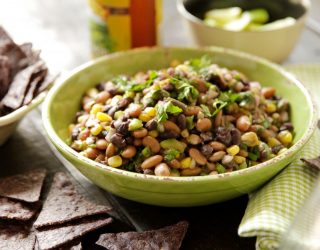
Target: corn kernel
x: 96, y: 129
x: 239, y: 159
x: 233, y: 150
x: 186, y: 162
x: 96, y: 108
x: 115, y: 99
x: 285, y: 137
x: 250, y: 139
x: 118, y: 114
x: 273, y: 142
x: 144, y: 117
x: 270, y: 107
x: 115, y: 161
x: 135, y: 124
x: 282, y: 151
x: 103, y: 117
x: 150, y: 111
x: 129, y: 94
x: 153, y: 133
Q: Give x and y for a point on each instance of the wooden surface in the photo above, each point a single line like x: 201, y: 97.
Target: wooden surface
x: 59, y: 28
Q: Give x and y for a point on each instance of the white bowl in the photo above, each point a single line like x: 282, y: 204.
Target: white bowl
x: 9, y: 122
x: 274, y: 44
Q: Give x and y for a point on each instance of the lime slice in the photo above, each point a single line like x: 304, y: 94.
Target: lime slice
x: 223, y: 16
x: 258, y: 15
x: 211, y: 22
x: 239, y: 24
x: 281, y: 23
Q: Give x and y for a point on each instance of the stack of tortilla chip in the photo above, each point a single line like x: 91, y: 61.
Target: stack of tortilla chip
x: 19, y: 203
x: 23, y: 74
x: 65, y: 218
x: 66, y: 215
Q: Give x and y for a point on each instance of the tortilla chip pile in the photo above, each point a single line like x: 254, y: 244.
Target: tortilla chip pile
x: 65, y: 217
x: 23, y: 74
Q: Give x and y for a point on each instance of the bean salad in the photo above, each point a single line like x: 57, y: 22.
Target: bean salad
x: 194, y: 118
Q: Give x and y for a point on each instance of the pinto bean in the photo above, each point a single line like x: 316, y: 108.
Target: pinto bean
x: 197, y: 156
x: 129, y: 152
x: 203, y: 124
x: 217, y: 156
x: 152, y: 143
x: 140, y: 133
x: 152, y: 161
x: 190, y: 171
x: 171, y: 126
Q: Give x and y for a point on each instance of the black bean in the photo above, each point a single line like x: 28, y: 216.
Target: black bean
x: 206, y: 136
x: 112, y: 110
x: 100, y: 87
x: 276, y: 149
x: 182, y: 121
x: 168, y: 135
x: 223, y: 135
x: 151, y: 125
x: 129, y: 140
x: 74, y: 134
x: 206, y: 150
x: 111, y: 88
x: 110, y: 133
x: 168, y: 87
x: 287, y: 126
x: 235, y: 136
x: 122, y: 128
x: 118, y: 140
x: 106, y: 108
x: 124, y: 102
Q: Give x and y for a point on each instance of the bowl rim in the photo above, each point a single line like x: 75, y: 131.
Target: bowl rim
x: 62, y: 146
x: 190, y: 17
x: 20, y: 112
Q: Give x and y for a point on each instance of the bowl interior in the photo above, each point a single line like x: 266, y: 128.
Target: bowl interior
x: 276, y: 9
x: 64, y: 100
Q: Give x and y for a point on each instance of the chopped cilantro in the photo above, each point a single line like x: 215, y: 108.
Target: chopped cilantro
x: 186, y: 91
x: 171, y: 154
x: 200, y: 63
x: 165, y: 108
x: 206, y: 110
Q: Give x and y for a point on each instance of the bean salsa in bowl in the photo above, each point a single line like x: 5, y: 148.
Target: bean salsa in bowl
x: 194, y: 118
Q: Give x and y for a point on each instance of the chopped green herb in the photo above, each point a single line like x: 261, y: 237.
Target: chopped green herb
x: 186, y: 91
x: 146, y: 152
x: 190, y: 123
x: 200, y: 63
x: 165, y: 108
x: 206, y: 110
x: 171, y: 154
x: 252, y: 156
x: 221, y: 169
x: 218, y: 105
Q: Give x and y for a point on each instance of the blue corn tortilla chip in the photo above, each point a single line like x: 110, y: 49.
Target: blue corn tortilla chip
x: 16, y: 237
x: 24, y: 187
x: 167, y: 238
x: 64, y: 204
x: 17, y: 210
x: 59, y: 236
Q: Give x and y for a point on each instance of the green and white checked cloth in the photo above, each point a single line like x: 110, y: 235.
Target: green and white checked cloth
x: 272, y: 208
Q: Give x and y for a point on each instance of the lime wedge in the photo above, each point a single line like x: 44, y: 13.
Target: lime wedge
x: 281, y: 23
x: 223, y: 16
x: 239, y: 24
x: 258, y: 15
x: 211, y: 22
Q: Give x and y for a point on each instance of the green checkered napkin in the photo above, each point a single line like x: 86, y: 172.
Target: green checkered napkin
x: 272, y: 208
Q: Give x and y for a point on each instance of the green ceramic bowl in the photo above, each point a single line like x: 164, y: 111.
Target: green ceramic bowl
x: 63, y: 101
